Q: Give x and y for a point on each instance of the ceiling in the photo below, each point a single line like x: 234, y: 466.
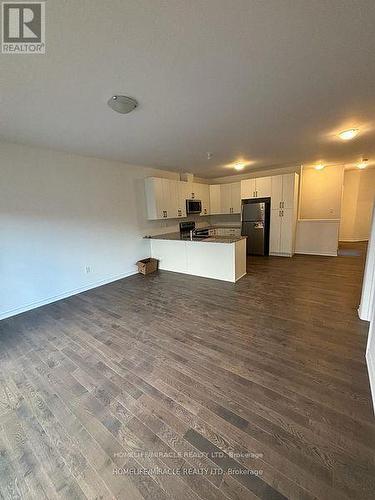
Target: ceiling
x: 269, y: 81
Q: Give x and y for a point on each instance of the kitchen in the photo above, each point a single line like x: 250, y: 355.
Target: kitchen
x: 263, y: 212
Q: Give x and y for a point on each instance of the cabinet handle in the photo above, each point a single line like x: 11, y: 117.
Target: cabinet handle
x: 280, y: 204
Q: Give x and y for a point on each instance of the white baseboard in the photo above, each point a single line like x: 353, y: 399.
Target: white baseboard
x: 371, y: 373
x: 63, y: 295
x: 280, y: 254
x: 323, y: 254
x: 242, y: 275
x: 352, y: 241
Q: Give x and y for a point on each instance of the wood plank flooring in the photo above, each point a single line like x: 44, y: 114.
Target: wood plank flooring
x: 173, y: 386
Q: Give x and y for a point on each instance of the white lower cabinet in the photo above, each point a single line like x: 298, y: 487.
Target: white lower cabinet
x: 220, y: 261
x: 282, y: 232
x: 275, y: 231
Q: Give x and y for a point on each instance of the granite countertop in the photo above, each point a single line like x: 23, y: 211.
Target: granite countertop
x: 207, y: 239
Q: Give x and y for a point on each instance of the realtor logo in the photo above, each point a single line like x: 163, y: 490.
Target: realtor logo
x: 23, y: 28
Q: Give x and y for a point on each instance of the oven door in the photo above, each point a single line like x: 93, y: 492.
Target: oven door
x: 193, y: 206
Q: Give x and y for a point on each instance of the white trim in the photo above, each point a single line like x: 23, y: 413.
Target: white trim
x: 368, y: 288
x: 371, y: 375
x: 351, y: 241
x: 63, y: 295
x: 320, y: 220
x: 242, y: 275
x: 280, y: 254
x: 323, y: 254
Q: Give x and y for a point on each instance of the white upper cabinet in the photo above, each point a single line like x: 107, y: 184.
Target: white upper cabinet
x: 276, y: 191
x: 166, y: 198
x: 289, y: 184
x: 256, y: 188
x: 263, y: 187
x: 161, y: 198
x: 202, y: 192
x: 236, y: 197
x: 225, y: 198
x: 283, y: 191
x: 247, y: 189
x: 215, y: 200
x: 183, y: 192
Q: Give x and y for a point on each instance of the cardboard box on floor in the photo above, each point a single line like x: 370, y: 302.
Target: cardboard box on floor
x: 147, y: 266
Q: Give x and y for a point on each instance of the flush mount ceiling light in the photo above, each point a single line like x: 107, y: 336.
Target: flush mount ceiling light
x: 239, y: 165
x: 363, y: 164
x: 320, y: 166
x: 122, y: 103
x: 346, y: 135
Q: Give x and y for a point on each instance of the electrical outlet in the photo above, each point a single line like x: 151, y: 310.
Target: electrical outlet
x: 88, y: 269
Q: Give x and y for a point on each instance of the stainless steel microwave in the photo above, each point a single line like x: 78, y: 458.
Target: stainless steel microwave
x: 193, y: 206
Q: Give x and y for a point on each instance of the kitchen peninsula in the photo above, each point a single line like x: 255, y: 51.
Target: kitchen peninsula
x: 221, y: 257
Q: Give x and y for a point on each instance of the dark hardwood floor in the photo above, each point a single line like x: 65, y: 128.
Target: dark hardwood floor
x: 173, y: 386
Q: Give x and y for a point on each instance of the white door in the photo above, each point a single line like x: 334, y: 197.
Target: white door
x: 263, y: 187
x: 226, y: 198
x: 287, y: 229
x: 215, y: 203
x: 276, y: 191
x: 275, y: 231
x: 288, y: 191
x: 247, y: 189
x: 236, y: 197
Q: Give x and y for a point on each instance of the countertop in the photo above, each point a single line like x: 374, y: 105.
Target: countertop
x: 209, y: 239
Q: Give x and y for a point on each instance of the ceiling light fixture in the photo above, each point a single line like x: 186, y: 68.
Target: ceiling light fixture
x: 239, y: 165
x: 122, y: 103
x: 320, y: 166
x: 363, y: 164
x: 346, y: 135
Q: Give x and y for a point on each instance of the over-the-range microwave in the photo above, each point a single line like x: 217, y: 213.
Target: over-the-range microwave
x: 193, y: 206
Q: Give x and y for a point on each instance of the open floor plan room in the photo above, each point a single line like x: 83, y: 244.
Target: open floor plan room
x: 187, y: 250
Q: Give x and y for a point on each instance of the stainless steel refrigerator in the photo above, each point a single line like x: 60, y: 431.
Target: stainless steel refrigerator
x: 255, y: 216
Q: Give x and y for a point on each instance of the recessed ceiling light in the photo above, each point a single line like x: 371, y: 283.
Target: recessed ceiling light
x: 320, y: 166
x: 346, y: 135
x: 363, y: 164
x: 122, y: 103
x: 239, y: 165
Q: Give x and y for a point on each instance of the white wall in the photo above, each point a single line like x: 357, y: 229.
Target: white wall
x: 317, y: 236
x: 321, y: 193
x: 60, y: 213
x: 358, y: 199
